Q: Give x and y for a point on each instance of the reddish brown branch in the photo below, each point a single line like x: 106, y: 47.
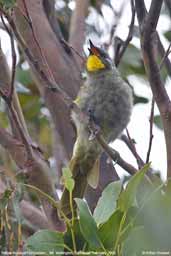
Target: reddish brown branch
x: 64, y: 70
x: 28, y: 18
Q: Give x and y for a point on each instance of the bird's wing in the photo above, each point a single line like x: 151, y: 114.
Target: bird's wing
x: 93, y: 176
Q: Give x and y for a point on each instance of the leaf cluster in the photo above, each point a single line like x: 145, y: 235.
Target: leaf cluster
x: 126, y: 221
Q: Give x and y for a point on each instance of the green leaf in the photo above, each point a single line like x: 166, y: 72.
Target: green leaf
x: 128, y: 196
x: 4, y: 119
x: 146, y: 188
x: 24, y: 76
x: 67, y: 179
x: 7, y: 3
x: 109, y: 230
x: 80, y: 241
x: 140, y: 99
x: 16, y: 204
x: 153, y: 218
x: 88, y: 225
x: 69, y: 184
x: 31, y: 105
x: 128, y: 56
x: 107, y: 202
x: 158, y: 122
x: 137, y: 242
x: 5, y: 198
x: 46, y: 241
x: 66, y: 172
x: 155, y: 214
x: 131, y: 62
x: 168, y: 35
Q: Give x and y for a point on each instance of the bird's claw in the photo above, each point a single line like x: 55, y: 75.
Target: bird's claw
x: 94, y: 132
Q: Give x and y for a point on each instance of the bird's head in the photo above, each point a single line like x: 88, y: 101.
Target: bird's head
x: 98, y: 59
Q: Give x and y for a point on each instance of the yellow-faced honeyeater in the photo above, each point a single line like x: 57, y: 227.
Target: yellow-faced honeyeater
x: 108, y: 98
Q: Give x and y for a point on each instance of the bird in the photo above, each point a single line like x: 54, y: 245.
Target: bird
x: 107, y: 98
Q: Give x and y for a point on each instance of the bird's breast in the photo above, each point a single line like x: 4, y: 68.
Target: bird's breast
x: 109, y: 99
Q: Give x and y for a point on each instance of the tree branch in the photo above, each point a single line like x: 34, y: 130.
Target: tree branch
x: 49, y: 7
x: 28, y: 18
x: 77, y: 26
x: 125, y: 44
x: 62, y: 66
x: 30, y: 212
x: 141, y: 11
x: 34, y: 170
x: 165, y: 56
x: 115, y: 156
x: 151, y: 120
x: 130, y: 144
x: 152, y: 18
x: 149, y: 48
x: 85, y: 118
x: 23, y: 154
x: 162, y: 53
x: 68, y: 101
x: 34, y: 215
x: 168, y: 4
x: 14, y: 58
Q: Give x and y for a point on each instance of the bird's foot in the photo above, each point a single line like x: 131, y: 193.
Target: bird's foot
x: 94, y: 132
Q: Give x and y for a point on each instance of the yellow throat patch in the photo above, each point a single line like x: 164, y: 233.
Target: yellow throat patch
x: 94, y: 63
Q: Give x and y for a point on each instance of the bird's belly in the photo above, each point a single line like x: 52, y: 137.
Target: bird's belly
x: 111, y: 110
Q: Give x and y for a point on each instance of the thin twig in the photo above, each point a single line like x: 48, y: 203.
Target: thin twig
x: 165, y: 56
x: 151, y: 131
x: 51, y: 84
x: 18, y: 125
x: 27, y: 145
x: 130, y: 144
x: 72, y: 48
x: 140, y: 162
x: 129, y: 37
x: 115, y: 156
x: 161, y: 51
x: 8, y: 96
x: 117, y: 16
x: 14, y: 58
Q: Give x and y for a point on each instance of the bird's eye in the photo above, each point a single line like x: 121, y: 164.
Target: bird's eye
x: 103, y: 54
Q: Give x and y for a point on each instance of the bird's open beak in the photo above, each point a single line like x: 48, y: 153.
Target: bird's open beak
x: 93, y: 49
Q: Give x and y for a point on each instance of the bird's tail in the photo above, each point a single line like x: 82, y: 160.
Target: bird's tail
x: 80, y: 167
